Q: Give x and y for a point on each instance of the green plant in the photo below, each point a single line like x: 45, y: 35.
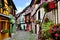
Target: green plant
x: 0, y: 5
x: 38, y: 22
x: 4, y: 31
x: 45, y: 28
x: 55, y: 31
x: 31, y: 31
x: 44, y: 4
x: 19, y: 24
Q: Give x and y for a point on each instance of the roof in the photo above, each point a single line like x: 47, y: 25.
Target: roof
x: 12, y: 4
x: 26, y: 8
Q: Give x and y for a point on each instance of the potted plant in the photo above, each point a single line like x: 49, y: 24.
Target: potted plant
x: 4, y: 31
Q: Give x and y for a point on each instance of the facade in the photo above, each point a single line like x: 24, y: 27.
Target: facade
x: 34, y: 16
x: 27, y: 12
x: 39, y: 13
x: 27, y: 19
x: 5, y: 11
x: 58, y: 11
x: 51, y: 12
x: 22, y: 21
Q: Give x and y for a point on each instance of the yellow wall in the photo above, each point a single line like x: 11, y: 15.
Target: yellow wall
x: 5, y: 12
x: 6, y: 35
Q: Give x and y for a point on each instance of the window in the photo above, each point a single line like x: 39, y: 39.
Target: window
x: 2, y: 25
x: 39, y: 15
x: 2, y: 1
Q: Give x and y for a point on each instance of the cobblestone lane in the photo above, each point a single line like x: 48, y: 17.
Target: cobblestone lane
x: 24, y: 35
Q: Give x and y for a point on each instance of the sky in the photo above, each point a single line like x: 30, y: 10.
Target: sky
x: 21, y: 4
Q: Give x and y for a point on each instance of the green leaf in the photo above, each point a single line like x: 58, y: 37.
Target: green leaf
x: 37, y: 21
x: 45, y: 28
x: 0, y: 4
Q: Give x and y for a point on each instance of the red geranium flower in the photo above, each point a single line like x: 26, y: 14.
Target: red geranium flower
x: 56, y: 34
x: 59, y: 28
x: 55, y: 25
x: 50, y: 31
x: 54, y: 29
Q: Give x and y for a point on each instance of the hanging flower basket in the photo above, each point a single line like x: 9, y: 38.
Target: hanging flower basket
x: 4, y: 31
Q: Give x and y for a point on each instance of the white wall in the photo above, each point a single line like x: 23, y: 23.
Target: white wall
x: 37, y: 28
x: 22, y: 18
x: 42, y: 12
x: 59, y: 12
x: 22, y: 25
x: 33, y: 27
x: 18, y: 20
x: 37, y: 19
x: 41, y: 16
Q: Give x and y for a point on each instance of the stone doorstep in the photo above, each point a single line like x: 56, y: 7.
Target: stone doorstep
x: 7, y: 38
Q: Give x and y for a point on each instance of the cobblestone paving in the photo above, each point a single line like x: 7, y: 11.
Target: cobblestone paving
x: 24, y: 35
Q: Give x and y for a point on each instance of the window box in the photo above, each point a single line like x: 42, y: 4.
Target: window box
x: 4, y: 31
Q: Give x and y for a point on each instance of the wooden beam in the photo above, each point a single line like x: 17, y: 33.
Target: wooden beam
x: 4, y: 20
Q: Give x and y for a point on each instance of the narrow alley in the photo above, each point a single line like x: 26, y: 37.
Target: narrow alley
x: 29, y: 19
x: 23, y: 35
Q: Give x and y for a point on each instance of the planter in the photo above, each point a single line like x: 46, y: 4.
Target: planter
x: 4, y: 36
x: 4, y: 31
